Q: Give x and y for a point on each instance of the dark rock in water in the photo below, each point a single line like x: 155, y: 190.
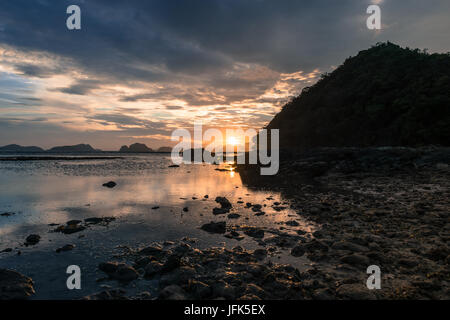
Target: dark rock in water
x: 117, y: 294
x: 32, y: 239
x: 155, y: 208
x: 298, y: 251
x: 70, y: 228
x: 283, y: 240
x: 7, y: 214
x: 316, y: 245
x: 119, y: 271
x: 256, y: 207
x: 260, y: 254
x: 292, y: 223
x: 234, y: 235
x: 214, y: 227
x: 233, y: 216
x: 15, y: 286
x: 97, y: 220
x: 125, y: 273
x: 153, y: 268
x: 254, y: 232
x: 174, y: 166
x: 110, y: 184
x: 155, y: 251
x: 260, y: 213
x: 185, y: 209
x: 217, y: 211
x: 73, y: 222
x: 6, y: 250
x: 224, y: 202
x: 67, y: 247
x: 172, y: 263
x: 108, y: 267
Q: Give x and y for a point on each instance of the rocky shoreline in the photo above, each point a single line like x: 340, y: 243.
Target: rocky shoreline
x: 381, y: 206
x: 376, y: 206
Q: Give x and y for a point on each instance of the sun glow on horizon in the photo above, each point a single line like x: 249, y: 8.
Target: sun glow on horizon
x: 232, y: 141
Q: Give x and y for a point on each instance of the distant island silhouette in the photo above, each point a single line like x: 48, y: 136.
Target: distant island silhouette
x: 81, y: 148
x: 142, y: 148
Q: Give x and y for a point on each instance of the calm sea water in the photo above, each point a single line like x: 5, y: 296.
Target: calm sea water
x: 41, y: 193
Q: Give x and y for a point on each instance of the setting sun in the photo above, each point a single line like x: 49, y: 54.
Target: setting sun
x: 232, y: 140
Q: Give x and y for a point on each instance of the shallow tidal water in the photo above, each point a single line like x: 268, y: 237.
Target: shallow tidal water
x: 40, y: 193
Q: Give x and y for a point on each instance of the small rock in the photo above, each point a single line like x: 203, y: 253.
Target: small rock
x: 32, y: 239
x: 214, y: 227
x: 254, y: 232
x: 110, y: 184
x: 153, y: 268
x: 97, y: 220
x: 217, y: 211
x: 224, y: 202
x: 67, y: 247
x: 119, y: 271
x: 70, y: 228
x: 260, y: 254
x: 7, y: 214
x: 152, y: 251
x: 298, y: 251
x: 172, y: 263
x: 15, y: 286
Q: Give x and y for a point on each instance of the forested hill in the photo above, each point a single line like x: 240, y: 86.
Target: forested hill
x: 384, y: 96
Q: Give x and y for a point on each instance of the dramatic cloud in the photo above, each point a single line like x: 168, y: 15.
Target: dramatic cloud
x: 138, y: 69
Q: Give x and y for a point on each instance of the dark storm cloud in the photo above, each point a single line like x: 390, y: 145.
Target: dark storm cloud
x: 122, y: 120
x: 82, y: 87
x: 37, y: 71
x: 122, y: 39
x: 174, y: 107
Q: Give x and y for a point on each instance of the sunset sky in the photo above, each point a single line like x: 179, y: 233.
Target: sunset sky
x: 137, y: 69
